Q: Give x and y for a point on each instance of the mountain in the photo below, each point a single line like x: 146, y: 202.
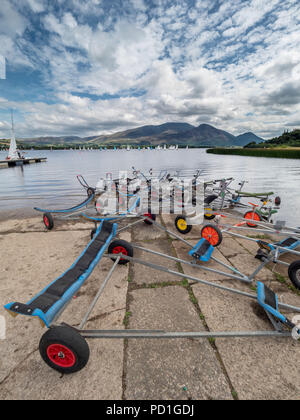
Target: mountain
x: 169, y: 133
x: 247, y: 138
x: 156, y: 130
x: 147, y: 133
x: 52, y: 140
x: 204, y: 135
x: 172, y: 133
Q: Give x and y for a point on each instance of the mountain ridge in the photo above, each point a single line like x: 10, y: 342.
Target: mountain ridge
x: 183, y: 134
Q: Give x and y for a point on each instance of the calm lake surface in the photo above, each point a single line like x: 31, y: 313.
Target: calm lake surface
x: 54, y: 185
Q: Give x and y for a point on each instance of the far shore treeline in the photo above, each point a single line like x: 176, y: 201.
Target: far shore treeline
x: 273, y: 153
x: 285, y: 146
x: 4, y: 144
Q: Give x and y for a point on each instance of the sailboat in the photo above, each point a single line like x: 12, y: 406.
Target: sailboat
x: 13, y: 153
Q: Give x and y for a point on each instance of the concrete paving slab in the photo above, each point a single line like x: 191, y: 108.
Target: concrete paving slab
x: 100, y: 379
x: 147, y: 275
x: 247, y: 264
x: 230, y: 248
x: 259, y: 368
x: 182, y: 252
x: 170, y: 369
x: 250, y: 246
x: 50, y: 254
x: 144, y: 232
x: 178, y: 369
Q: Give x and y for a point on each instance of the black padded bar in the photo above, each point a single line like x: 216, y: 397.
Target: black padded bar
x: 209, y: 199
x: 204, y: 247
x: 287, y: 242
x: 63, y: 283
x: 270, y: 298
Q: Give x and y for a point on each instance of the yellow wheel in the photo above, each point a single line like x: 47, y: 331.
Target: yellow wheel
x: 208, y: 215
x: 181, y: 225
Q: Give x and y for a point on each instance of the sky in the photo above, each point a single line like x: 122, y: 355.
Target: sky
x: 91, y: 67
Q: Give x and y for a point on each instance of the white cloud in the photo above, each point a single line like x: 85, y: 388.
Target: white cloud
x: 237, y: 67
x: 37, y: 6
x: 12, y: 23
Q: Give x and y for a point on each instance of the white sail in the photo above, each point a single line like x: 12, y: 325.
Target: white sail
x: 12, y: 153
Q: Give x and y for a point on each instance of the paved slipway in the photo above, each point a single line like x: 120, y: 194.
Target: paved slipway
x: 139, y: 297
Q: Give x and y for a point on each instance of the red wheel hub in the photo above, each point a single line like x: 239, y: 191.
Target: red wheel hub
x: 46, y: 221
x: 211, y: 235
x: 252, y: 216
x: 61, y: 356
x: 120, y: 250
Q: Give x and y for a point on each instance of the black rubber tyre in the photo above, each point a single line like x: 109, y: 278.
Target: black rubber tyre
x: 121, y: 247
x: 208, y: 216
x: 48, y: 221
x: 93, y: 233
x: 252, y: 215
x: 294, y: 273
x: 151, y: 216
x: 90, y: 191
x: 212, y: 234
x: 181, y: 225
x: 64, y: 350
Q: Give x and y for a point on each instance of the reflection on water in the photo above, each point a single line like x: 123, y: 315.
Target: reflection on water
x: 54, y: 183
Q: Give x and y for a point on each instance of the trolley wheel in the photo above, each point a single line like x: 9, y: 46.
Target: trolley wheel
x: 120, y: 247
x: 181, y: 225
x: 294, y: 273
x: 48, y: 221
x: 151, y: 216
x: 64, y: 349
x: 90, y: 191
x: 208, y: 215
x: 252, y: 215
x: 212, y: 234
x: 93, y: 233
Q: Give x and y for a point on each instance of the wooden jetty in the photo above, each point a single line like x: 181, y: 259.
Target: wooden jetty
x: 20, y: 162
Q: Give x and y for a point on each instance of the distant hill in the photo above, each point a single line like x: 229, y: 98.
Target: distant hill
x: 156, y: 130
x: 52, y: 140
x: 183, y: 134
x: 148, y: 134
x: 247, y: 138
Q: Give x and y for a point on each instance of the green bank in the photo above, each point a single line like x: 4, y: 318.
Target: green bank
x: 271, y: 153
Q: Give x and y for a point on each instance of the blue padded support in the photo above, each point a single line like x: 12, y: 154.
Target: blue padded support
x: 294, y: 243
x: 261, y: 297
x: 287, y: 243
x: 70, y: 210
x: 202, y: 251
x: 51, y: 300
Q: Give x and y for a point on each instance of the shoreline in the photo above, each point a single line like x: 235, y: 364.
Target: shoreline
x: 269, y: 153
x: 18, y: 214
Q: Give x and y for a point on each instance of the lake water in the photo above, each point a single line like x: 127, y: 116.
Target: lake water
x: 54, y: 185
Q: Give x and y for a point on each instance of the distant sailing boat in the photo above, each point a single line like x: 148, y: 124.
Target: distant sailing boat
x: 13, y: 153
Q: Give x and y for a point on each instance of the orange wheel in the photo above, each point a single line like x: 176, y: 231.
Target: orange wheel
x: 212, y: 234
x: 252, y: 215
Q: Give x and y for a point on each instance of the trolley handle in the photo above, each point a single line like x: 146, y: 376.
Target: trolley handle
x: 82, y: 182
